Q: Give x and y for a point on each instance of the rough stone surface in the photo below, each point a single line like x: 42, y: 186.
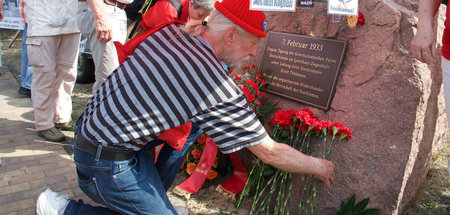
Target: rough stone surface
x: 391, y: 102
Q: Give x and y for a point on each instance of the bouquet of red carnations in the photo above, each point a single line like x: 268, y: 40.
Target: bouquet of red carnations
x: 303, y: 131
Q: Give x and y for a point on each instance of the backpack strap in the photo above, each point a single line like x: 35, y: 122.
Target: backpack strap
x: 177, y: 5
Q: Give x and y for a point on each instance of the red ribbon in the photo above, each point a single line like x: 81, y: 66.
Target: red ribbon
x: 232, y: 186
x: 196, y: 180
x: 235, y: 184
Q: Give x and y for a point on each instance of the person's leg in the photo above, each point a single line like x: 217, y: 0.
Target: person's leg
x: 127, y: 187
x: 41, y: 55
x: 66, y: 71
x: 26, y: 71
x: 105, y: 54
x: 170, y: 160
x: 446, y: 80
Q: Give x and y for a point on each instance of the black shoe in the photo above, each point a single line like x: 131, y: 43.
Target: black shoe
x: 25, y: 92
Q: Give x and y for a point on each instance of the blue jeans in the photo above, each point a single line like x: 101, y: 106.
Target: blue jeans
x: 134, y: 186
x: 26, y: 71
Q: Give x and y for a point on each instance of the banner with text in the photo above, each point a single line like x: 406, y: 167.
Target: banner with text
x: 279, y: 5
x: 343, y: 7
x: 12, y: 19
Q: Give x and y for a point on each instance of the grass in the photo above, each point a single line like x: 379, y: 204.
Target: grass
x: 433, y: 196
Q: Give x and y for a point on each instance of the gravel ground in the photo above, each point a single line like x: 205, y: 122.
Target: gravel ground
x: 433, y: 196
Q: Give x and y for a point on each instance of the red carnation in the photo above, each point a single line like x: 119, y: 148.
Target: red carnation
x: 326, y: 124
x: 304, y: 113
x: 259, y: 102
x: 196, y: 153
x: 361, y: 19
x: 252, y: 65
x: 246, y: 91
x: 337, y: 124
x: 263, y: 94
x: 317, y: 125
x: 311, y: 120
x: 282, y: 118
x: 251, y: 97
x: 246, y: 68
x: 252, y: 83
x: 262, y: 81
x: 345, y: 132
x: 291, y: 113
x: 271, y: 122
x: 259, y: 75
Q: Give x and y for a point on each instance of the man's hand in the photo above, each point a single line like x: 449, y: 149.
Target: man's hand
x: 102, y: 24
x: 104, y: 29
x: 325, y: 172
x: 289, y: 159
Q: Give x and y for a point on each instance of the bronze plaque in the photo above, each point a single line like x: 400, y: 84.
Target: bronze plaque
x: 304, y: 69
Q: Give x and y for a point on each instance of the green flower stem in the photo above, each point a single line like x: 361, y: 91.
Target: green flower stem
x: 297, y: 24
x: 257, y: 193
x: 340, y: 29
x: 244, y: 192
x: 328, y: 25
x: 324, y: 146
x: 315, y: 194
x: 292, y: 131
x: 311, y: 33
x: 337, y: 146
x: 286, y: 202
x: 279, y: 203
x: 272, y: 191
x: 297, y: 136
x: 272, y: 181
x: 303, y: 197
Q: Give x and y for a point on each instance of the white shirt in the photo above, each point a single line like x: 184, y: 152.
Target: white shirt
x: 51, y: 17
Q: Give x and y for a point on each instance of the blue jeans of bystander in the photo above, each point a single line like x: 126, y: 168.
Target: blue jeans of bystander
x: 26, y: 71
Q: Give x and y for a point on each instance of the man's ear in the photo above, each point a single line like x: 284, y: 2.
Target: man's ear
x: 231, y: 35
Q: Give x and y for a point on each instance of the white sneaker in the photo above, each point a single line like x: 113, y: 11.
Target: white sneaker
x: 51, y: 203
x: 181, y: 210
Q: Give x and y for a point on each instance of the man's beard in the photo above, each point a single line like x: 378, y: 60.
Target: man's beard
x: 233, y: 63
x: 241, y: 63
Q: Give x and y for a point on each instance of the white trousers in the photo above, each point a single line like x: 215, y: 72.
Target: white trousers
x: 54, y: 60
x: 104, y: 54
x: 446, y: 79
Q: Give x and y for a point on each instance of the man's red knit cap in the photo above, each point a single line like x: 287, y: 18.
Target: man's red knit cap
x: 238, y: 12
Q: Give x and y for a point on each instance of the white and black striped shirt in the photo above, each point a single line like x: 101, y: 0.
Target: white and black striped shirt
x: 171, y: 79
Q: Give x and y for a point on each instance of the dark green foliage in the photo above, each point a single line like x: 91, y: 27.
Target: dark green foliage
x: 350, y: 208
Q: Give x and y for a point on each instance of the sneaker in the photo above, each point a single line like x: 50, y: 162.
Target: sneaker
x: 181, y: 210
x: 24, y: 92
x: 52, y: 134
x: 51, y: 203
x: 67, y: 126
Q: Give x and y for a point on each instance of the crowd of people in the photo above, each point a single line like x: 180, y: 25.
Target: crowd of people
x: 168, y: 78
